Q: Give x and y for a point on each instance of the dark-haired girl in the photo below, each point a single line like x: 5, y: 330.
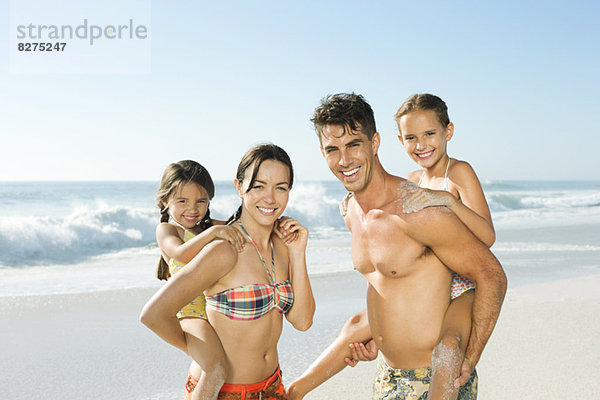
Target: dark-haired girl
x: 184, y: 195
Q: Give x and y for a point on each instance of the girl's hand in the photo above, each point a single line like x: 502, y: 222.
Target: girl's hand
x: 362, y: 352
x: 423, y: 198
x: 294, y: 235
x: 230, y: 234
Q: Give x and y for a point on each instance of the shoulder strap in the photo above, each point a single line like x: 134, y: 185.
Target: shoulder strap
x: 446, y: 175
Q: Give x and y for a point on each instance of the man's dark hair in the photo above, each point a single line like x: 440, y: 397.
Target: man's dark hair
x: 347, y: 110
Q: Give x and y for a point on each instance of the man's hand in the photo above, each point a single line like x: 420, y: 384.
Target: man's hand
x: 465, y: 373
x: 362, y: 352
x: 423, y: 198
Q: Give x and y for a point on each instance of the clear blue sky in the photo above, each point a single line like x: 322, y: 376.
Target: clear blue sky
x: 521, y: 80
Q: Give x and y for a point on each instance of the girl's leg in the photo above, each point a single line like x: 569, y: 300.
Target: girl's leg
x: 332, y: 360
x: 209, y: 365
x: 448, y: 354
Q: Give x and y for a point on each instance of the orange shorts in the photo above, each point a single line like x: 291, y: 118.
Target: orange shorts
x: 269, y: 389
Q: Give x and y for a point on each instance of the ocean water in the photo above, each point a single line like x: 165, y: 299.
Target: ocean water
x: 66, y: 237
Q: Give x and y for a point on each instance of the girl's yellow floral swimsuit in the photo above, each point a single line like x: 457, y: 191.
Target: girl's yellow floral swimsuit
x: 197, y: 308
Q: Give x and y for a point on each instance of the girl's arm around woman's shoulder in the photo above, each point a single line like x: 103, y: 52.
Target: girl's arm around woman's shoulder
x: 173, y: 246
x: 159, y: 314
x: 295, y: 238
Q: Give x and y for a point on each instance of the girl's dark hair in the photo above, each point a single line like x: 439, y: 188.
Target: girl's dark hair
x: 255, y: 157
x: 176, y: 175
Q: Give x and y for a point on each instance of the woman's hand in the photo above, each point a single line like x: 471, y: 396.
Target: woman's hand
x: 294, y: 235
x: 229, y: 234
x: 295, y: 239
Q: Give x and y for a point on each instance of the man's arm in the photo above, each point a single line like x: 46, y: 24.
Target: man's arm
x: 456, y: 246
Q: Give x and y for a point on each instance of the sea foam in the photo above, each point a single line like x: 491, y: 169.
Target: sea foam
x: 26, y: 241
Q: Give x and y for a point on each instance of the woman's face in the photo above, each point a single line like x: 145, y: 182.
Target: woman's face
x: 266, y: 200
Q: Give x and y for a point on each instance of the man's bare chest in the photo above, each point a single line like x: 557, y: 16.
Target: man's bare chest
x: 380, y: 244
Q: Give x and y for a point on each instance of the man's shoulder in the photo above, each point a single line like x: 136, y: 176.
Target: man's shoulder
x: 397, y: 191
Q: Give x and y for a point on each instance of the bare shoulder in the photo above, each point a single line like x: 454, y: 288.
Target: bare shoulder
x: 414, y: 176
x: 221, y: 250
x: 461, y: 173
x: 165, y: 229
x: 217, y: 259
x: 399, y: 189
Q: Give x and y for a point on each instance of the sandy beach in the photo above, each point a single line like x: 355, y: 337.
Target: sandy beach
x: 92, y: 345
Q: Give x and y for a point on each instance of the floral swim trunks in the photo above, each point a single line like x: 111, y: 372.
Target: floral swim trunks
x: 412, y: 384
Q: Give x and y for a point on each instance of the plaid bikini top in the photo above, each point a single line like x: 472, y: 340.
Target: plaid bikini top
x: 252, y: 301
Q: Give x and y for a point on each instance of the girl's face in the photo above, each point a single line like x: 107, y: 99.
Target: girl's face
x: 424, y: 137
x: 269, y: 194
x: 188, y: 205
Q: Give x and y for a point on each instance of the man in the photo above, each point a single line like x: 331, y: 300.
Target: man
x: 405, y: 257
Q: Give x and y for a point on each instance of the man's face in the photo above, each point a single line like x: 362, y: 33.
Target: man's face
x: 350, y: 155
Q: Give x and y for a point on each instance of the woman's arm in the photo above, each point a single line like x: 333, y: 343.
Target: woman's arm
x: 295, y: 237
x: 159, y: 313
x: 174, y: 247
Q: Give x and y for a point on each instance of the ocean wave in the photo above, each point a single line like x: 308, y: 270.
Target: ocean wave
x: 499, y: 185
x: 503, y: 201
x: 26, y: 241
x: 313, y: 204
x: 81, y: 225
x: 543, y: 247
x: 99, y: 229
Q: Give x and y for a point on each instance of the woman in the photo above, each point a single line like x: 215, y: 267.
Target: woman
x: 247, y: 293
